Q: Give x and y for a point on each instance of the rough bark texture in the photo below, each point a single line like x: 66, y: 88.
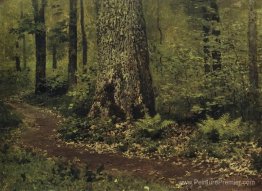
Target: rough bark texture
x: 72, y: 65
x: 84, y: 38
x: 212, y: 55
x: 252, y: 39
x: 124, y: 87
x: 40, y: 43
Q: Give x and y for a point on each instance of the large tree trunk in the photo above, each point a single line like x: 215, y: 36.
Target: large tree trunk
x: 124, y: 87
x: 72, y: 65
x: 84, y: 38
x: 212, y: 54
x: 40, y: 44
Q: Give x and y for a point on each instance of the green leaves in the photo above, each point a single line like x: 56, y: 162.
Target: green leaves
x: 224, y: 127
x: 7, y: 117
x: 152, y: 127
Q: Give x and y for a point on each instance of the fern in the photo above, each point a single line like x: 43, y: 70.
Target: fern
x: 224, y: 127
x: 152, y: 127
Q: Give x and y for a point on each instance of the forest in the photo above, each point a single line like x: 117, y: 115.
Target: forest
x: 130, y: 95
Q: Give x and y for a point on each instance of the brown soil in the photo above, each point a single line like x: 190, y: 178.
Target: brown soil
x: 42, y: 135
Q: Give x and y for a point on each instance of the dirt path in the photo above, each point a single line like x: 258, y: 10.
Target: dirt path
x: 41, y: 135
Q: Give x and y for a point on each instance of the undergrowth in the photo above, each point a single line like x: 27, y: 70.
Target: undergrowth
x: 28, y: 170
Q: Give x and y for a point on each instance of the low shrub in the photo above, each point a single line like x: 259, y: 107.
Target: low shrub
x: 91, y: 130
x: 152, y: 127
x: 216, y: 137
x: 21, y: 170
x: 7, y: 118
x: 82, y: 96
x: 56, y: 85
x: 17, y: 82
x: 257, y: 161
x: 74, y: 129
x: 219, y: 129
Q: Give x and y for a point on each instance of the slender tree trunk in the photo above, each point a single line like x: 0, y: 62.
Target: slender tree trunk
x: 212, y: 57
x: 17, y: 57
x: 160, y: 34
x: 40, y: 44
x: 24, y: 52
x: 72, y: 66
x: 253, y: 67
x: 23, y: 40
x: 124, y: 87
x: 84, y: 38
x: 252, y: 43
x: 98, y: 39
x: 54, y: 55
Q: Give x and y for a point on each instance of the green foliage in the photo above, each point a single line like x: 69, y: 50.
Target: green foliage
x: 56, y: 85
x: 91, y: 130
x: 216, y: 137
x: 257, y: 161
x: 152, y: 127
x: 82, y: 95
x: 220, y: 129
x: 128, y: 184
x: 12, y: 82
x: 22, y: 170
x: 123, y: 137
x: 25, y: 25
x: 75, y: 129
x: 7, y: 118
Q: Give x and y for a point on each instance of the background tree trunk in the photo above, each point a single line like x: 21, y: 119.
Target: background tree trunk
x: 40, y: 44
x: 23, y: 40
x: 72, y: 65
x: 160, y: 35
x: 253, y: 67
x: 124, y: 87
x: 17, y: 57
x: 84, y: 38
x: 212, y: 54
x: 252, y: 43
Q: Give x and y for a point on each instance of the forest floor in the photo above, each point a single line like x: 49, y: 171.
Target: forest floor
x: 41, y: 134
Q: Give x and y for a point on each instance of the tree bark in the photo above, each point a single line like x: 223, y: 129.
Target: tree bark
x: 23, y: 40
x: 255, y: 112
x: 252, y: 43
x: 212, y: 55
x: 84, y: 38
x: 17, y: 57
x: 24, y: 52
x: 40, y: 44
x: 72, y: 65
x: 160, y: 35
x: 124, y: 87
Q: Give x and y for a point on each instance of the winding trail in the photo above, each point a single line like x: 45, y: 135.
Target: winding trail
x: 41, y: 134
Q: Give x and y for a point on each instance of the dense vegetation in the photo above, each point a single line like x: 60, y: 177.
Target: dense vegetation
x: 143, y: 78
